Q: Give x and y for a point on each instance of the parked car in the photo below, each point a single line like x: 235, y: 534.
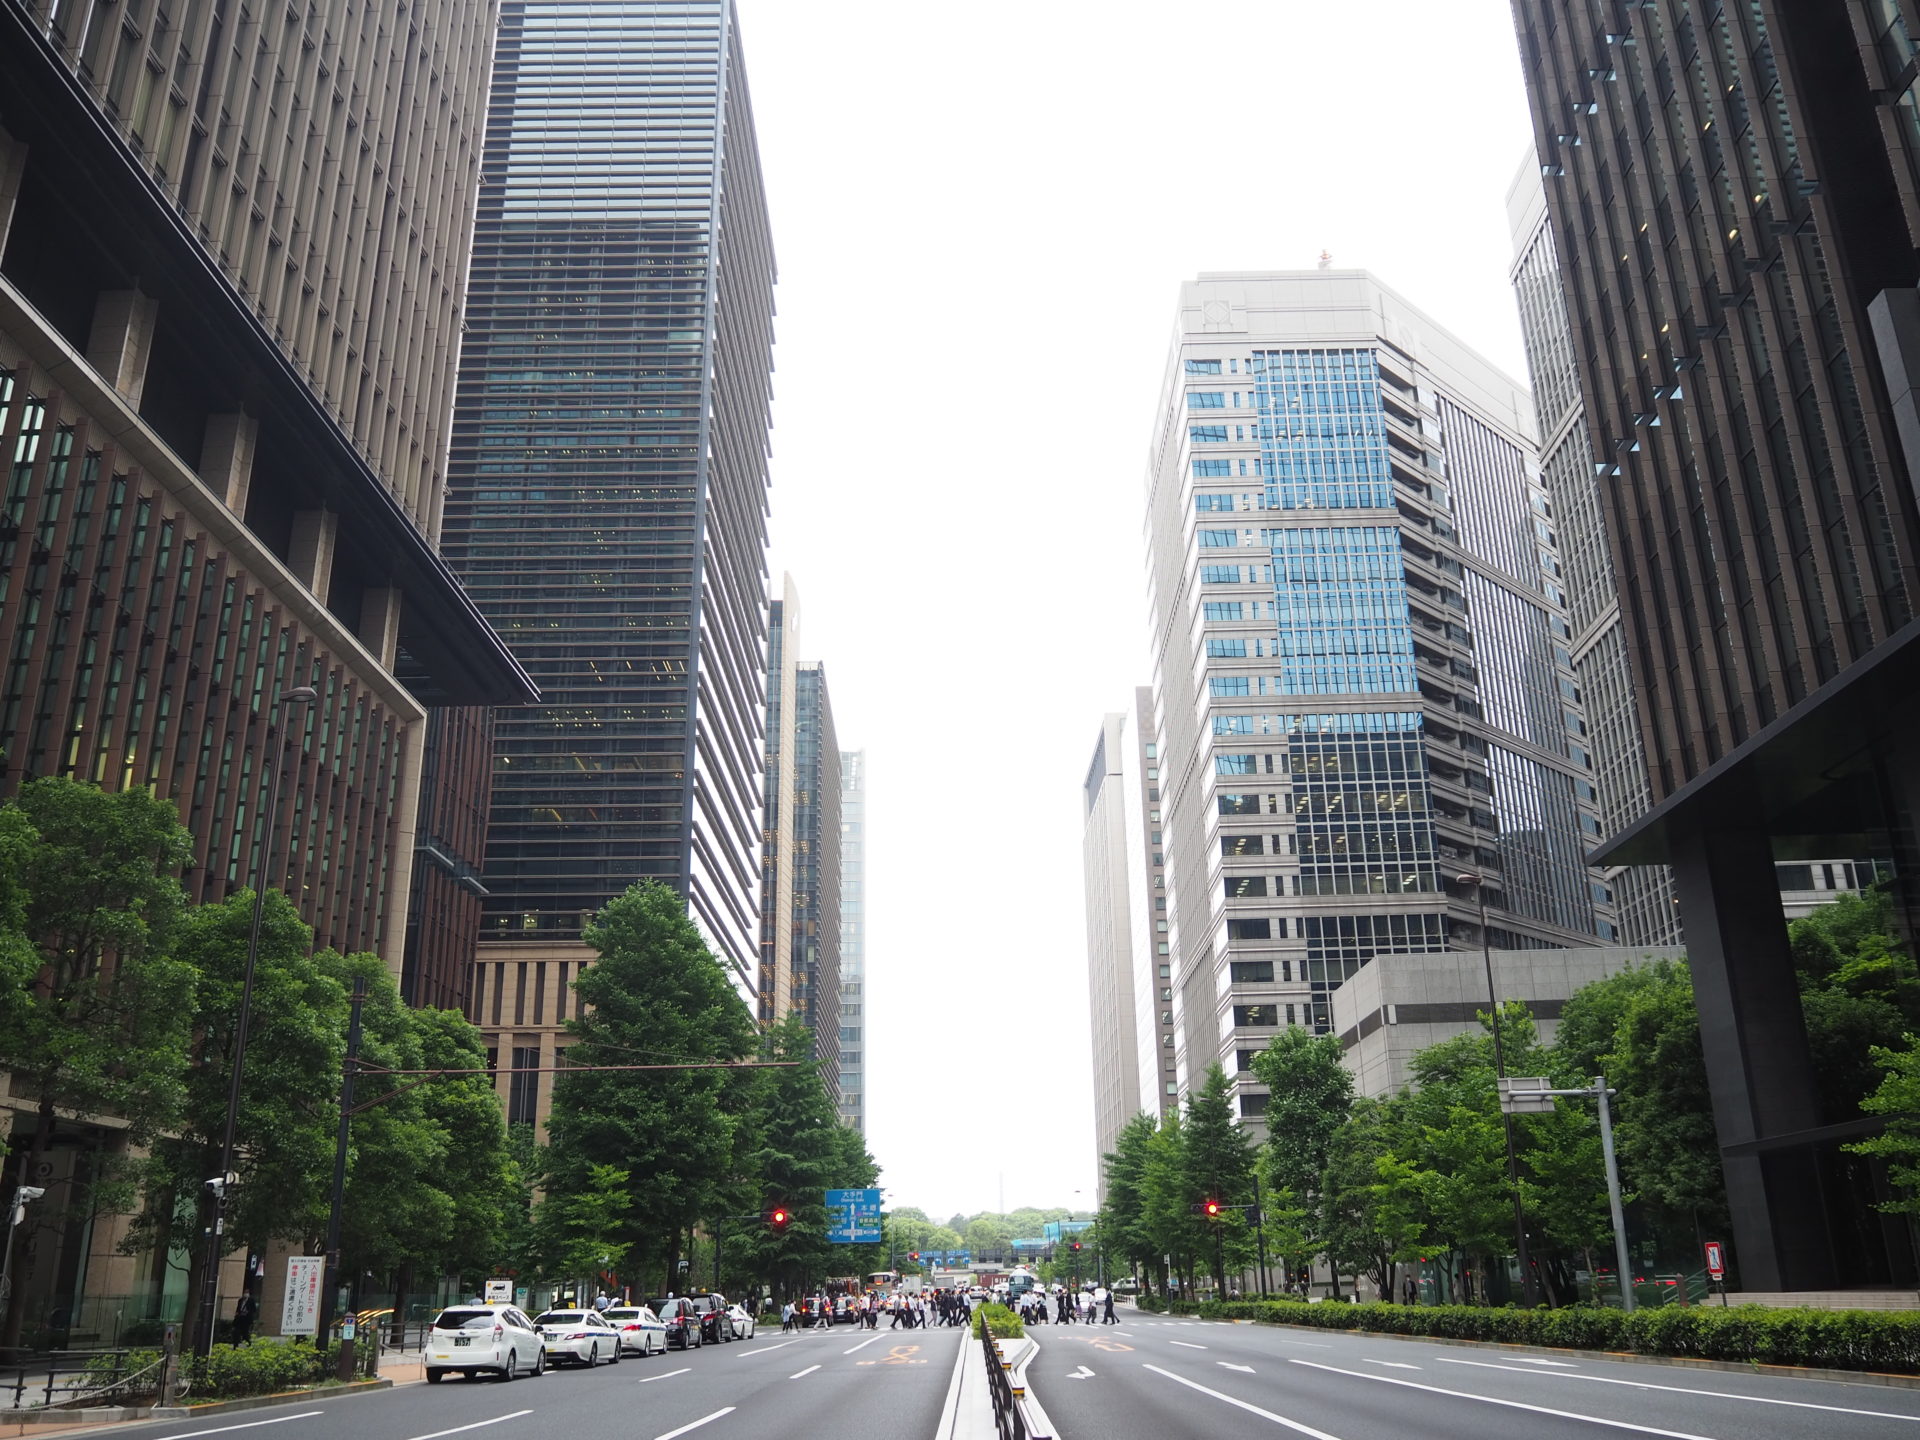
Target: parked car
x: 641, y: 1332
x: 743, y: 1323
x: 844, y: 1312
x: 580, y: 1337
x: 472, y: 1339
x: 680, y: 1321
x: 712, y: 1310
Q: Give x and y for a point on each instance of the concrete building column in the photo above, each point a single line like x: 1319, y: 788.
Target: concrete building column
x: 310, y: 554
x: 380, y: 622
x: 226, y: 458
x: 1753, y: 1036
x: 121, y: 339
x: 13, y: 169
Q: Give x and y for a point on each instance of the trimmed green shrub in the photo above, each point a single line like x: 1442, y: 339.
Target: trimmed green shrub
x: 1152, y: 1304
x: 115, y: 1376
x: 1882, y: 1340
x: 262, y: 1368
x: 998, y: 1318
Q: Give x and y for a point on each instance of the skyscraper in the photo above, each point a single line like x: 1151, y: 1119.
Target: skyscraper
x: 608, y: 496
x: 232, y: 260
x: 813, y: 936
x: 777, y: 850
x: 1363, y: 686
x: 1128, y: 967
x: 853, y: 937
x: 1643, y: 896
x: 1732, y: 195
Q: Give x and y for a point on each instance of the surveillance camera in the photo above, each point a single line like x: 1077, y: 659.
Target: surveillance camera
x: 30, y: 1192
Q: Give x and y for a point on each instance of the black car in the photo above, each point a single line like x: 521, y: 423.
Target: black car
x: 712, y: 1310
x: 683, y: 1322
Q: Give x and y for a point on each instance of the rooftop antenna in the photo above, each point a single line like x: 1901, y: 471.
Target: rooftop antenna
x: 1326, y: 259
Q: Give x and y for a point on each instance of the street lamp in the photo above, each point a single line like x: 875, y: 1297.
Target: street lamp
x: 221, y: 1183
x: 1500, y: 1071
x: 17, y: 1212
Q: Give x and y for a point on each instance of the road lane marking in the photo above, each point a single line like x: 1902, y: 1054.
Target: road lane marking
x: 277, y: 1420
x: 1187, y: 1344
x: 862, y: 1345
x: 1396, y: 1364
x: 1508, y: 1404
x: 767, y: 1349
x: 703, y: 1420
x: 477, y: 1425
x: 666, y: 1375
x: 1231, y: 1366
x: 1530, y: 1360
x: 798, y: 1373
x: 1310, y: 1344
x: 1681, y: 1390
x: 1243, y: 1405
x: 1083, y: 1373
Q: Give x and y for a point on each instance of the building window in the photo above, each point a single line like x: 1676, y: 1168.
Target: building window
x: 523, y: 1089
x: 1206, y: 400
x: 1256, y: 1016
x: 1245, y: 887
x: 1252, y: 972
x: 1252, y: 1106
x: 1203, y: 367
x: 1249, y: 929
x: 1214, y: 470
x: 1219, y: 574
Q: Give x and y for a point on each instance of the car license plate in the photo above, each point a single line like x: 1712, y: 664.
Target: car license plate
x: 461, y: 1340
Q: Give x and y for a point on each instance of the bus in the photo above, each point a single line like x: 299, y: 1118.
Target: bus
x: 883, y: 1280
x: 1020, y: 1280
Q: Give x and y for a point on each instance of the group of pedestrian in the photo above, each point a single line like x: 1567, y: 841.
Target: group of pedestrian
x: 1089, y: 1307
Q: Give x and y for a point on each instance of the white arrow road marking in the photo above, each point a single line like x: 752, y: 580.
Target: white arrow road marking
x: 1243, y: 1405
x: 703, y: 1420
x: 666, y: 1375
x: 478, y: 1424
x: 1508, y: 1404
x: 1083, y: 1373
x: 1676, y: 1389
x: 798, y: 1373
x: 1186, y: 1344
x: 277, y: 1420
x: 1231, y: 1366
x: 1396, y: 1364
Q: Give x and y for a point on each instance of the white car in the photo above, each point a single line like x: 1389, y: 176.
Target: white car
x: 743, y: 1324
x: 495, y: 1339
x: 641, y: 1331
x: 581, y: 1337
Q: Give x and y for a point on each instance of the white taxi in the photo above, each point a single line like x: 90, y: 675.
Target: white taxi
x: 477, y: 1339
x: 641, y: 1331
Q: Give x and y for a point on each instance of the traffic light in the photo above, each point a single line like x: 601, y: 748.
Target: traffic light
x: 1211, y: 1209
x: 778, y: 1219
x: 914, y: 1255
x: 1076, y: 1244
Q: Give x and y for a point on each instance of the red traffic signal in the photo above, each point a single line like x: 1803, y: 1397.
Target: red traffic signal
x: 1211, y: 1209
x: 779, y: 1218
x: 913, y: 1254
x: 1076, y: 1244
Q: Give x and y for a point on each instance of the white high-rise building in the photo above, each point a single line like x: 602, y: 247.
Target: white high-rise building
x: 853, y: 936
x: 1125, y: 884
x: 1363, y: 686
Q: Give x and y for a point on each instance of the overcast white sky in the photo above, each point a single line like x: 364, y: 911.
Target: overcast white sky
x: 982, y: 214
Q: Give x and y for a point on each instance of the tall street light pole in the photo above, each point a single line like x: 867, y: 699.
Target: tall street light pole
x: 221, y: 1183
x: 1500, y: 1071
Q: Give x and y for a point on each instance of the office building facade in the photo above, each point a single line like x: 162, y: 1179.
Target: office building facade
x: 608, y: 483
x: 1363, y: 683
x: 853, y: 938
x: 813, y: 931
x: 1733, y: 202
x: 778, y: 774
x: 233, y: 254
x: 1129, y: 968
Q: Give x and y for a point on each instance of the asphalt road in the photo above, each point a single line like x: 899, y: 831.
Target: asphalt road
x: 819, y: 1382
x: 1178, y: 1378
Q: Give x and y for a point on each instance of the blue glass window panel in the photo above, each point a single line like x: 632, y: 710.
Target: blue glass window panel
x: 1235, y: 648
x: 1207, y: 434
x: 1341, y: 611
x: 1219, y: 574
x: 1219, y: 539
x: 1323, y: 437
x: 1236, y: 764
x: 1213, y: 502
x: 1212, y: 469
x: 1203, y: 367
x: 1224, y: 610
x: 1207, y: 400
x: 1227, y: 686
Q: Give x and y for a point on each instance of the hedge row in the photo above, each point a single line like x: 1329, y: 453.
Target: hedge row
x: 1880, y: 1340
x: 1004, y: 1324
x: 229, y: 1372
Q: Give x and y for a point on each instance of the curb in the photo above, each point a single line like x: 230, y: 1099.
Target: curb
x: 265, y: 1402
x: 1685, y: 1362
x: 1038, y: 1424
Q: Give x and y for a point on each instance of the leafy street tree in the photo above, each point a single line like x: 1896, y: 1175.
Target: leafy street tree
x: 100, y: 1030
x: 1124, y: 1218
x: 1219, y: 1166
x: 655, y: 995
x: 1350, y: 1224
x: 1310, y: 1096
x: 1897, y: 1098
x: 482, y: 1179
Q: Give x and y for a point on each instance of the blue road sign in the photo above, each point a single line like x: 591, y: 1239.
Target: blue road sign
x: 853, y: 1217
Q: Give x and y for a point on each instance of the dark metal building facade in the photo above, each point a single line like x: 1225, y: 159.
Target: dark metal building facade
x: 1733, y: 202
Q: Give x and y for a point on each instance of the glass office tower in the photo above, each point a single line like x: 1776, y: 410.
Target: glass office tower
x: 1362, y: 679
x: 609, y: 480
x: 853, y: 935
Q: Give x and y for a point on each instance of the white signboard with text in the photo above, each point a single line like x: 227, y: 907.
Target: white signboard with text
x: 300, y: 1311
x: 499, y: 1292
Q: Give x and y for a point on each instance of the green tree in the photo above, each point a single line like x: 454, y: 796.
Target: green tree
x: 481, y: 1178
x: 1124, y: 1219
x: 1349, y: 1224
x: 101, y: 1030
x: 1219, y: 1165
x: 655, y: 994
x: 1898, y: 1098
x: 1310, y: 1097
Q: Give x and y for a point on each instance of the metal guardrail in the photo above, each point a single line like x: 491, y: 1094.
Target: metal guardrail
x: 46, y: 1380
x: 1007, y: 1415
